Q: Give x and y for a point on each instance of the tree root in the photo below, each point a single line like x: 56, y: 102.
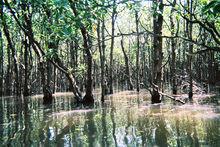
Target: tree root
x: 88, y: 100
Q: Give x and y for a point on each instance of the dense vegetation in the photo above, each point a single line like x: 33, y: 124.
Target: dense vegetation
x: 78, y: 45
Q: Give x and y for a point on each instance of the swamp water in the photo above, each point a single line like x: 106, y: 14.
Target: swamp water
x: 125, y: 119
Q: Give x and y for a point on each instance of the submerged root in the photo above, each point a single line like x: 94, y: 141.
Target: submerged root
x: 48, y: 96
x: 47, y: 99
x: 155, y: 97
x: 88, y: 99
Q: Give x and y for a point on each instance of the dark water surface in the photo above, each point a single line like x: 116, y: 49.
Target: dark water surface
x: 125, y: 119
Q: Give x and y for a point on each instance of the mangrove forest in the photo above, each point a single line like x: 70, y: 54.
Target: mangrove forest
x: 110, y: 73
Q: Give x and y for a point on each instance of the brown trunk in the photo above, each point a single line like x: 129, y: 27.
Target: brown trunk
x: 190, y: 52
x: 210, y: 73
x: 128, y: 74
x: 50, y: 72
x: 88, y: 98
x: 185, y: 27
x: 8, y: 75
x: 47, y: 94
x: 21, y: 69
x: 40, y: 52
x: 137, y: 53
x: 157, y: 52
x: 173, y: 49
x: 13, y: 51
x: 101, y: 49
x: 1, y: 57
x: 155, y: 96
x: 54, y: 79
x: 73, y: 87
x: 113, y: 18
x: 52, y: 45
x: 7, y: 89
x: 26, y: 70
x: 1, y: 64
x: 105, y: 89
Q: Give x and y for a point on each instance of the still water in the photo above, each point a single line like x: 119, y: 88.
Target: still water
x: 125, y: 119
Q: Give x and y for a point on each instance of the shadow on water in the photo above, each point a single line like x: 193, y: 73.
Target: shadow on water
x: 125, y: 119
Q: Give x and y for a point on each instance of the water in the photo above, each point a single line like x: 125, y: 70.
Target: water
x: 125, y: 119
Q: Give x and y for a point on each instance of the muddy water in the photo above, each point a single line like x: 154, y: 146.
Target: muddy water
x: 125, y: 119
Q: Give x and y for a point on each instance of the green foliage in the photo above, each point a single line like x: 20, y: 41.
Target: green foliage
x: 132, y: 5
x: 81, y: 70
x: 157, y: 9
x: 51, y: 53
x: 54, y: 21
x: 212, y: 8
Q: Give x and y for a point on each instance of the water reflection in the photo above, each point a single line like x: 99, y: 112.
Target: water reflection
x: 123, y: 120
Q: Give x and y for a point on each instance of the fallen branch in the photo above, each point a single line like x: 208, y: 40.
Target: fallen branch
x: 155, y: 87
x: 173, y: 98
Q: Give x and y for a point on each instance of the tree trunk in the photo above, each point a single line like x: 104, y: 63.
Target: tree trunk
x: 74, y: 55
x: 88, y: 98
x: 105, y: 89
x: 173, y: 49
x: 40, y: 52
x: 52, y: 44
x: 11, y: 46
x: 157, y: 52
x: 7, y: 89
x: 113, y: 18
x: 73, y: 87
x: 47, y: 94
x: 127, y: 67
x: 54, y: 79
x: 26, y: 91
x: 21, y: 68
x: 101, y: 47
x: 1, y: 64
x: 190, y: 52
x: 8, y: 74
x: 49, y: 71
x: 137, y: 53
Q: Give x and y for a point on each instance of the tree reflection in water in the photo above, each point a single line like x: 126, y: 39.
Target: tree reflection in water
x: 161, y: 133
x: 120, y: 121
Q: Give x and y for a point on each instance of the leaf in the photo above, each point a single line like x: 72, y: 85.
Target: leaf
x: 216, y: 8
x: 209, y: 6
x: 204, y: 2
x: 212, y: 8
x: 177, y: 17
